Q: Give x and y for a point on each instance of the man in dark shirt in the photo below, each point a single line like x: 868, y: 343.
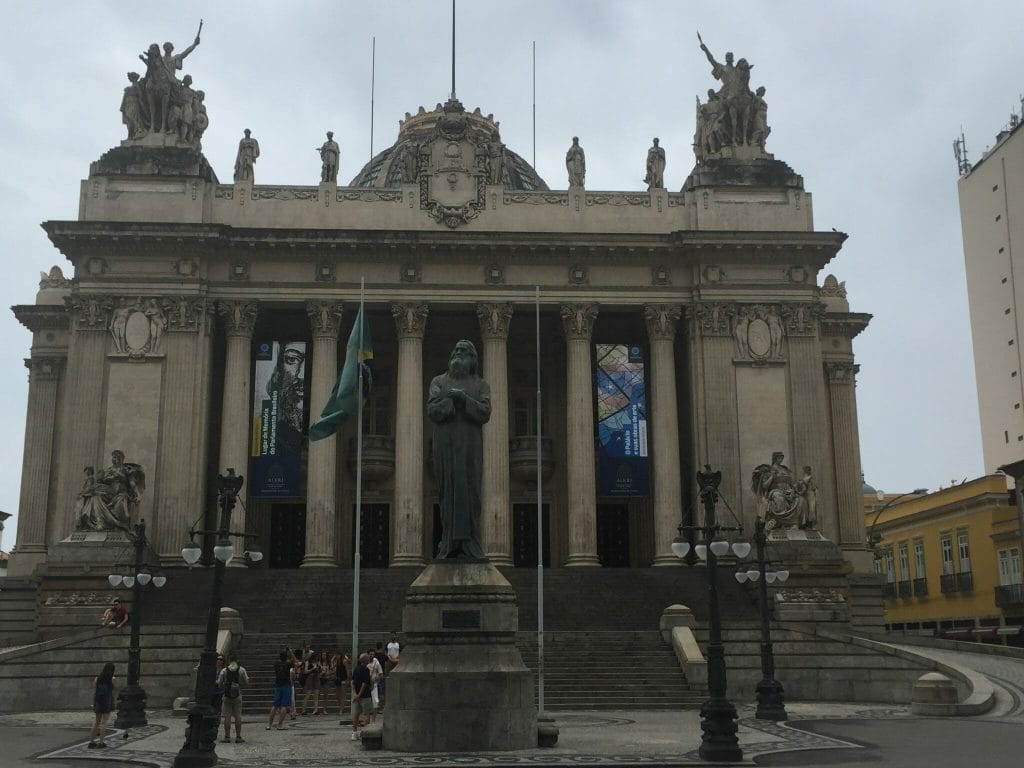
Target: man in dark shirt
x: 361, y: 686
x: 282, y: 689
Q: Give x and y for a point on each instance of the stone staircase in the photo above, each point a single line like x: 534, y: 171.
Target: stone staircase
x: 59, y: 673
x: 813, y: 668
x: 583, y: 670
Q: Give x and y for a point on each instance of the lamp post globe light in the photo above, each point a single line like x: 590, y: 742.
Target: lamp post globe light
x: 199, y: 749
x: 719, y: 742
x: 770, y: 695
x: 131, y: 700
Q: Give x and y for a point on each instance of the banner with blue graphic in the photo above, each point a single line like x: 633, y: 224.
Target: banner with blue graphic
x: 621, y: 421
x: 279, y: 408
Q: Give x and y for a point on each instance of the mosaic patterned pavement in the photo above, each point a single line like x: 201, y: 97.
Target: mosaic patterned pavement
x: 586, y: 739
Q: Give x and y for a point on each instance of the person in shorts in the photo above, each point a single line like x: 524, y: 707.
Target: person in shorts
x: 282, y: 689
x: 102, y: 705
x: 361, y: 685
x: 231, y: 679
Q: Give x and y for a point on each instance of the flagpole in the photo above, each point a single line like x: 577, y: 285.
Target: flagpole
x: 540, y: 533
x: 356, y: 558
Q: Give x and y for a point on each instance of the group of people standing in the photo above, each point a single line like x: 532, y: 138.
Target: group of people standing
x: 312, y: 674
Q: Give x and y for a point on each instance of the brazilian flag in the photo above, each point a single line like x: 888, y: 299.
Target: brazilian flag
x: 342, y: 403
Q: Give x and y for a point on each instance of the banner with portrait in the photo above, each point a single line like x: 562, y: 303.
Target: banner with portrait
x: 279, y: 414
x: 621, y: 421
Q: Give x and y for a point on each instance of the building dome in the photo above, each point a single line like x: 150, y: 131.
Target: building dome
x: 401, y: 162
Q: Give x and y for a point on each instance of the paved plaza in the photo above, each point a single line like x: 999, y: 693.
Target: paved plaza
x: 817, y: 733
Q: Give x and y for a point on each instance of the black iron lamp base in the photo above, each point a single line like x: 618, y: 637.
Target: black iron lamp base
x: 718, y: 722
x: 770, y: 701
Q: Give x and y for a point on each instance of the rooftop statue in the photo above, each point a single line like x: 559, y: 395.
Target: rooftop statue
x: 158, y: 104
x: 248, y: 151
x: 109, y: 499
x: 576, y: 163
x: 655, y: 178
x: 783, y: 500
x: 459, y: 405
x: 330, y: 154
x: 733, y: 116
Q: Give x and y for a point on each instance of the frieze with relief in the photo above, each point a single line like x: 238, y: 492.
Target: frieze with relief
x: 758, y: 331
x: 137, y: 326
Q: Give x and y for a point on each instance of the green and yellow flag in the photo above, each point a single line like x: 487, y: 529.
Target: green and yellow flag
x: 343, y: 403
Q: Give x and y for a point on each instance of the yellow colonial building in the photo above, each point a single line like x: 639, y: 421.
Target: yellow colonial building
x: 951, y: 559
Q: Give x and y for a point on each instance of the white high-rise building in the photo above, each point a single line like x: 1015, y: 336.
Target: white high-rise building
x: 992, y: 219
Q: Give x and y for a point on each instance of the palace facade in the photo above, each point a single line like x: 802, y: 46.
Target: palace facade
x: 203, y: 325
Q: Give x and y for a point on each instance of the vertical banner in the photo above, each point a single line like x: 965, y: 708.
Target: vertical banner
x: 279, y: 408
x: 621, y: 421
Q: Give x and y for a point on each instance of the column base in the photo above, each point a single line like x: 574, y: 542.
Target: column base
x: 582, y: 560
x: 406, y: 560
x: 668, y: 559
x: 318, y: 561
x: 499, y: 559
x: 25, y: 560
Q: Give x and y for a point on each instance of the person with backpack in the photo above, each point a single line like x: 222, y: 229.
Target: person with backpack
x: 231, y: 679
x: 102, y: 705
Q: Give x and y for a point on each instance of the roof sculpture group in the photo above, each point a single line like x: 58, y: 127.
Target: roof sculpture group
x: 158, y: 104
x: 733, y: 122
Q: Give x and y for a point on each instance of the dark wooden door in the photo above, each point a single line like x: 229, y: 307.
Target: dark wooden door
x: 613, y: 535
x: 373, y: 540
x: 287, y: 535
x: 524, y: 535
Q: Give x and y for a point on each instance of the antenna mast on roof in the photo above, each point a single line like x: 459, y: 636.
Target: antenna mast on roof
x: 960, y: 152
x: 373, y: 81
x: 453, y: 51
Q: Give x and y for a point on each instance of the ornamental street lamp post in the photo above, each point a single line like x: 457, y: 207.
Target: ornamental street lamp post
x: 199, y: 749
x: 131, y: 701
x: 770, y: 695
x: 718, y: 715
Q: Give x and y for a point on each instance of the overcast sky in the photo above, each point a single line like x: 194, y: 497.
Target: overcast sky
x: 864, y: 101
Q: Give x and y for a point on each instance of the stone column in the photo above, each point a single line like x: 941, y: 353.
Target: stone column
x: 239, y: 321
x: 37, y: 459
x: 808, y: 408
x: 668, y: 495
x: 578, y: 323
x: 407, y: 547
x: 715, y: 395
x: 846, y: 447
x: 81, y: 434
x: 325, y: 321
x: 496, y: 517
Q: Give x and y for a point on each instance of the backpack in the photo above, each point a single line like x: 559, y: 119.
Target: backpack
x: 232, y: 688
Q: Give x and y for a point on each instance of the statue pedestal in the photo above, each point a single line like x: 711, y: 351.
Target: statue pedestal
x: 94, y: 553
x: 817, y: 589
x: 461, y: 686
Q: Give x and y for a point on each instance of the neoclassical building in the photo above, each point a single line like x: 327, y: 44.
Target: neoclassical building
x: 203, y: 324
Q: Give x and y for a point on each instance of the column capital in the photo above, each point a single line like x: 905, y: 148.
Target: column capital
x: 802, y: 318
x: 714, y: 318
x: 324, y: 317
x: 841, y: 371
x: 661, y: 320
x: 239, y: 316
x: 90, y: 313
x: 185, y: 314
x: 410, y: 319
x: 578, y: 321
x: 44, y: 368
x: 494, y: 319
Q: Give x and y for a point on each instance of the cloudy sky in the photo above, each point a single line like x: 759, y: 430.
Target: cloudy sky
x: 864, y: 99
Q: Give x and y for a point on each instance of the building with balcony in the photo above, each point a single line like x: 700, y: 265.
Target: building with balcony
x: 951, y: 559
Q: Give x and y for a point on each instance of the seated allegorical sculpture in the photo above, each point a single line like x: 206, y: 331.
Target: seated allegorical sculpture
x: 109, y: 499
x: 783, y: 500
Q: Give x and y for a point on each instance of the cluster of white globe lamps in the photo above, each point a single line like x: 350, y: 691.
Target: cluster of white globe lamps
x: 223, y: 551
x: 720, y: 547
